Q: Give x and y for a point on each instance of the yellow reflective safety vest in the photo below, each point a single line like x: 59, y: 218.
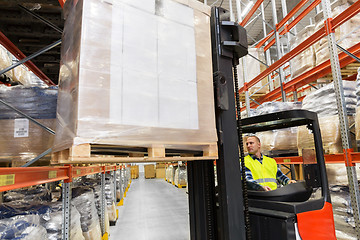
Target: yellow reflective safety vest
x: 265, y: 173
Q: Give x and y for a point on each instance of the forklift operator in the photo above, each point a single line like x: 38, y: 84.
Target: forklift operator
x: 260, y: 169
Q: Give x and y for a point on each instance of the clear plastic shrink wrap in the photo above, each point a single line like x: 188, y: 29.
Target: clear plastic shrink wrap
x: 343, y: 32
x: 119, y: 87
x: 50, y: 215
x: 36, y: 193
x: 180, y: 176
x: 306, y: 59
x: 109, y: 195
x: 21, y: 139
x: 26, y: 227
x: 323, y: 102
x: 93, y: 182
x: 84, y: 201
x: 277, y: 140
x: 5, y: 60
x: 119, y: 184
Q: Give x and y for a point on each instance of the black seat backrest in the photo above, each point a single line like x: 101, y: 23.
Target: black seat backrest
x: 295, y: 192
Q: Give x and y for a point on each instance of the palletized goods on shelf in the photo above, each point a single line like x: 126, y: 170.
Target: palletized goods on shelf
x: 20, y: 139
x: 323, y: 102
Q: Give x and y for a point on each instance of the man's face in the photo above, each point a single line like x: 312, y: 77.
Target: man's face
x: 252, y: 145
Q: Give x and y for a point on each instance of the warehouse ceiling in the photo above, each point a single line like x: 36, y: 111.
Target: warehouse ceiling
x: 30, y: 34
x: 254, y: 26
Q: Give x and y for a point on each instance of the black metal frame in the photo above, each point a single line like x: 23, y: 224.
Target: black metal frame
x: 227, y: 221
x: 293, y: 118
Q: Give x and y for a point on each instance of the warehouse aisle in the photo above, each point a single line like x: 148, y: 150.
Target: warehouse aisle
x: 153, y: 210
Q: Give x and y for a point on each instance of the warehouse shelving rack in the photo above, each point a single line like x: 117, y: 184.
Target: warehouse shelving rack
x: 333, y: 65
x: 19, y: 177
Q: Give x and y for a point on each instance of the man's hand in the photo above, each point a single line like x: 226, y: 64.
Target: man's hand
x: 291, y: 181
x: 267, y: 188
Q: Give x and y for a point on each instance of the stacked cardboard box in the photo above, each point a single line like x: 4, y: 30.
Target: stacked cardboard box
x: 134, y: 172
x: 20, y: 139
x: 323, y: 102
x: 150, y: 171
x: 160, y: 170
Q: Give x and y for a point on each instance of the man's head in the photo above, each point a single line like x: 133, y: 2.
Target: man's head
x: 253, y: 144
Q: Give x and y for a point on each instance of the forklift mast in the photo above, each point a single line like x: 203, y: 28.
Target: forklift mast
x: 221, y: 218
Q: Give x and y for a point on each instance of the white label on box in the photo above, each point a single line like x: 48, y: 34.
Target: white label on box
x: 21, y: 127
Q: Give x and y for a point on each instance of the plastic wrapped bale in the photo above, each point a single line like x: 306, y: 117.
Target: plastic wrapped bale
x: 84, y: 201
x: 337, y: 174
x: 323, y: 100
x: 176, y: 96
x: 109, y: 196
x: 253, y: 68
x: 52, y: 222
x: 272, y: 107
x: 50, y: 216
x: 278, y: 140
x: 119, y: 191
x: 36, y: 193
x: 25, y: 227
x: 305, y: 60
x: 20, y: 139
x: 330, y: 134
x: 346, y: 34
x: 5, y: 60
x: 180, y: 178
x: 93, y: 182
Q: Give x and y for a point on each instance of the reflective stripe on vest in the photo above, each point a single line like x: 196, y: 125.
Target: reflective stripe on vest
x: 263, y: 173
x: 264, y: 180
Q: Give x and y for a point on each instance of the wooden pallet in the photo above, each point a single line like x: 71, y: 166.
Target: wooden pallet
x: 93, y: 153
x: 346, y: 71
x: 254, y: 96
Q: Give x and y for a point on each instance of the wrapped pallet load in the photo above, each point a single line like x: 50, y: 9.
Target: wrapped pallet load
x: 25, y: 227
x: 306, y: 59
x: 84, y: 201
x: 50, y: 218
x: 180, y: 178
x: 346, y: 35
x: 20, y: 139
x: 119, y: 87
x: 282, y: 140
x: 323, y: 102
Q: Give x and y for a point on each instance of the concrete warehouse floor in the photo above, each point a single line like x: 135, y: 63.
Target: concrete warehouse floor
x: 153, y: 210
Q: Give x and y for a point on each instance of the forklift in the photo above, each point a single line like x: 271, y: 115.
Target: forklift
x: 229, y: 211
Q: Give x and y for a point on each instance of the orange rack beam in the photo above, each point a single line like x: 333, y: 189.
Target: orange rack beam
x: 12, y: 178
x: 19, y: 55
x: 336, y: 22
x: 310, y: 76
x: 19, y: 177
x: 251, y: 12
x: 329, y: 158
